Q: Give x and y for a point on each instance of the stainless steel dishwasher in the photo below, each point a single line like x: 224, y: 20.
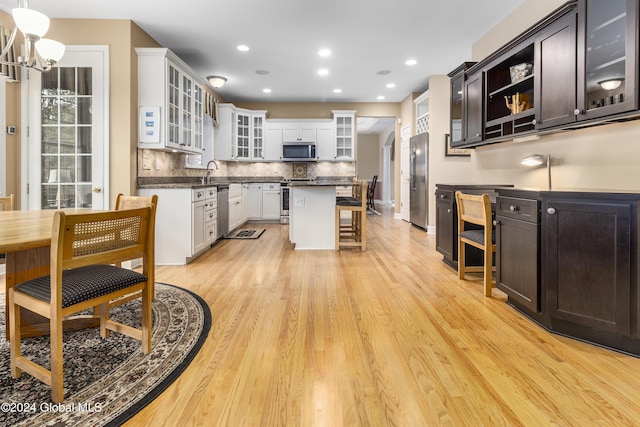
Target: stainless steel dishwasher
x: 223, y: 211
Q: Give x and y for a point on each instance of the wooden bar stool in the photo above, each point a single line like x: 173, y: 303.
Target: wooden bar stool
x: 354, y: 233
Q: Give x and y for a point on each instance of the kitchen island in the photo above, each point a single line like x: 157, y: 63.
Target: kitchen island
x: 312, y: 213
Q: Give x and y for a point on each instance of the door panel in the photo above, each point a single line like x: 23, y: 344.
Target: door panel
x: 68, y: 160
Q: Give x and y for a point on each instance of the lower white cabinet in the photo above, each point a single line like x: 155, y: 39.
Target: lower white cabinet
x: 254, y: 201
x: 186, y: 221
x: 271, y: 201
x: 236, y: 217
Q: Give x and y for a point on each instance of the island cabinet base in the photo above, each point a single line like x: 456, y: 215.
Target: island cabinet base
x: 312, y: 217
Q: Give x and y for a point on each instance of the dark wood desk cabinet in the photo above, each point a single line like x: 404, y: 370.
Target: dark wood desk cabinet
x: 575, y: 269
x: 447, y: 221
x: 517, y: 222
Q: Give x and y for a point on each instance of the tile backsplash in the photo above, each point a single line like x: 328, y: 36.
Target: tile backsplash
x: 156, y: 163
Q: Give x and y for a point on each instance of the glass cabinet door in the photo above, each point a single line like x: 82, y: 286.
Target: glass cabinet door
x: 187, y: 111
x: 243, y: 136
x: 258, y: 140
x: 344, y: 137
x: 456, y: 109
x: 608, y: 57
x: 173, y: 119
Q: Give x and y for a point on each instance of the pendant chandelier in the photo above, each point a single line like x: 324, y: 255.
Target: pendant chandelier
x: 40, y: 53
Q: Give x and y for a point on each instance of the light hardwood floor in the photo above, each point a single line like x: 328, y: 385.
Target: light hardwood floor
x: 388, y: 337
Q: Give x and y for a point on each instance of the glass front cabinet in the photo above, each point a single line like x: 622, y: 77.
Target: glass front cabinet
x: 345, y: 134
x: 576, y: 67
x: 607, y: 57
x: 170, y: 98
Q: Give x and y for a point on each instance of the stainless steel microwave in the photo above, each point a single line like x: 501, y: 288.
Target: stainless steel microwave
x: 298, y: 151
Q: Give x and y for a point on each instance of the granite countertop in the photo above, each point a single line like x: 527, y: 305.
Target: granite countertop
x: 196, y: 182
x: 322, y: 183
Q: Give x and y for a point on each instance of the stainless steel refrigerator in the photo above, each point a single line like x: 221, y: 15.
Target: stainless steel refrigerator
x: 419, y: 202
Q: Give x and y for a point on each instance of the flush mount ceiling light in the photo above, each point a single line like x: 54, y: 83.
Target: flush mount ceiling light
x: 217, y: 81
x: 610, y: 84
x: 42, y: 54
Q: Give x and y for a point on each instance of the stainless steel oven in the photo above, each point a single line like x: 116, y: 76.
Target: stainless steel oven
x: 284, y: 203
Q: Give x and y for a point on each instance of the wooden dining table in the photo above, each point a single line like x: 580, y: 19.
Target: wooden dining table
x: 25, y: 237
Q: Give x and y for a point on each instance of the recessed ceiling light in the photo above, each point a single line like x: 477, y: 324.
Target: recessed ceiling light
x: 337, y: 90
x: 380, y: 97
x: 323, y: 71
x: 324, y: 52
x: 262, y: 72
x: 243, y: 47
x: 383, y: 72
x: 266, y: 90
x: 410, y: 62
x: 391, y: 85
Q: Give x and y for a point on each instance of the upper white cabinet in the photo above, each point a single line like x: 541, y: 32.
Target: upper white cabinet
x: 326, y: 142
x: 273, y: 142
x: 247, y: 135
x: 299, y: 132
x: 345, y: 134
x: 170, y: 100
x: 240, y: 134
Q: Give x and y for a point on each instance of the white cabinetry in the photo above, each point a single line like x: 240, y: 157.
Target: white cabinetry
x: 211, y: 216
x: 240, y: 134
x: 271, y: 201
x: 170, y: 98
x: 344, y: 134
x: 299, y: 132
x: 185, y: 218
x: 326, y: 144
x: 273, y: 142
x: 236, y: 217
x: 254, y: 201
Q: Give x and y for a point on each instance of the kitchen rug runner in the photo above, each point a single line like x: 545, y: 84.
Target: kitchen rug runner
x: 245, y: 233
x: 107, y: 381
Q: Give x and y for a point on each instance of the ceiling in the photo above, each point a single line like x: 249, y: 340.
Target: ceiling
x: 369, y: 40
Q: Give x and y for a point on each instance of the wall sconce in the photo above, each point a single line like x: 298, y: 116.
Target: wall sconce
x: 42, y: 54
x: 217, y: 81
x: 610, y: 84
x: 537, y: 160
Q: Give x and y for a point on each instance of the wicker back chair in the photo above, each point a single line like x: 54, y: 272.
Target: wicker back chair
x: 84, y: 248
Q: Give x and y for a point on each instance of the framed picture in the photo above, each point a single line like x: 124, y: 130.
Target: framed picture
x: 454, y: 152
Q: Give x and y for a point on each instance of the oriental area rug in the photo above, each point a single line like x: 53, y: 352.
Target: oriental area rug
x: 106, y: 381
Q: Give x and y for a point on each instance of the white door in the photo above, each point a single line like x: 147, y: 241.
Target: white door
x: 68, y: 132
x: 405, y: 177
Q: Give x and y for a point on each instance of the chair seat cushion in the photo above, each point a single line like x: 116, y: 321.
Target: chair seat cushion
x: 348, y: 201
x: 477, y: 236
x: 83, y: 283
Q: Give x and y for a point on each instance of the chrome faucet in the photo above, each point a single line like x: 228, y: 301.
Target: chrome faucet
x: 205, y: 179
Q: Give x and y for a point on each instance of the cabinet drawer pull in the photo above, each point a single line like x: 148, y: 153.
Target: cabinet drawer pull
x: 513, y: 208
x: 551, y: 211
x: 448, y: 210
